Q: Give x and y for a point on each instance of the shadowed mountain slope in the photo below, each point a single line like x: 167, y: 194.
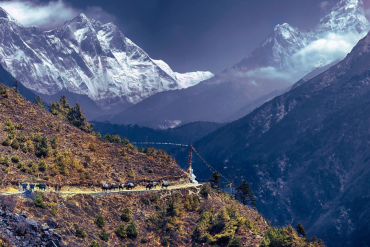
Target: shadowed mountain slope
x: 306, y: 152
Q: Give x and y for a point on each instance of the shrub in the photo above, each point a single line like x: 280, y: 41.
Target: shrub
x: 39, y: 200
x: 126, y: 215
x: 94, y: 244
x: 15, y: 159
x: 80, y: 233
x: 132, y: 230
x: 53, y: 210
x: 5, y: 161
x: 121, y: 231
x: 131, y: 174
x: 92, y: 147
x: 154, y: 198
x: 32, y: 167
x: 144, y: 241
x: 7, y: 142
x: 103, y: 235
x: 30, y: 146
x: 235, y: 243
x: 42, y: 165
x: 205, y: 191
x: 99, y: 221
x: 150, y: 170
x: 24, y: 148
x: 54, y: 142
x: 15, y: 144
x: 42, y: 147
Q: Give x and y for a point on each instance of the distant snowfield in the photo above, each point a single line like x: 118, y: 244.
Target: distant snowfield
x: 87, y: 57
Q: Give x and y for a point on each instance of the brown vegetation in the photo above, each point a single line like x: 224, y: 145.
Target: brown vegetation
x: 52, y: 151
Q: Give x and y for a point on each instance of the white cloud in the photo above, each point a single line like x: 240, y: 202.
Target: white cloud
x: 325, y: 50
x: 323, y: 5
x: 50, y: 15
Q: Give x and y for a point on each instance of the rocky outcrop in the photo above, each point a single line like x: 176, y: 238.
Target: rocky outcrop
x: 19, y: 230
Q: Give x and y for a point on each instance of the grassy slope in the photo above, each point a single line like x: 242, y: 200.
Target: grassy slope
x: 109, y: 162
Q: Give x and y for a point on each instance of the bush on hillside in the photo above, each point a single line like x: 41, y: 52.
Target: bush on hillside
x: 126, y: 215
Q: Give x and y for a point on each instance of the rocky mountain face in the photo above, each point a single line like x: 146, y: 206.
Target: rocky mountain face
x: 86, y: 57
x: 306, y: 152
x: 281, y: 50
x: 287, y: 55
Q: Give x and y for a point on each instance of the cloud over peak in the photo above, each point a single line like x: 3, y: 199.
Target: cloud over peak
x: 50, y: 15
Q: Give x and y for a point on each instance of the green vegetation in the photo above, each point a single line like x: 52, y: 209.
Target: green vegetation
x: 15, y: 159
x: 131, y: 230
x: 99, y: 221
x: 39, y: 102
x: 39, y: 200
x: 94, y: 244
x: 245, y: 194
x: 215, y: 181
x: 72, y: 114
x: 42, y: 165
x: 126, y: 215
x: 121, y: 231
x: 103, y: 235
x: 80, y: 233
x: 287, y: 236
x: 42, y: 147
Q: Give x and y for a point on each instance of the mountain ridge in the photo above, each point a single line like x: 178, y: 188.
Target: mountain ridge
x: 86, y: 57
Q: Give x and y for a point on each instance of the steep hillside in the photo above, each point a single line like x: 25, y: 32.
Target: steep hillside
x: 306, y: 152
x: 187, y: 217
x: 37, y: 145
x: 8, y: 80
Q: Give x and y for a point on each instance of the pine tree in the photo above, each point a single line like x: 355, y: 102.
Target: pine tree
x: 215, y: 181
x: 245, y: 194
x: 15, y: 85
x: 77, y: 118
x: 74, y: 115
x: 300, y: 230
x: 132, y: 230
x: 39, y: 102
x: 42, y: 147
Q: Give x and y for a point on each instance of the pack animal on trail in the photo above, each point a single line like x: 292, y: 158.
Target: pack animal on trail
x: 32, y: 187
x: 121, y: 186
x: 105, y: 187
x: 24, y: 187
x: 41, y: 186
x: 113, y: 186
x: 151, y: 185
x: 130, y: 186
x: 165, y: 184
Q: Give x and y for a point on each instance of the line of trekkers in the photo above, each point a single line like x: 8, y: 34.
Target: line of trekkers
x: 130, y: 186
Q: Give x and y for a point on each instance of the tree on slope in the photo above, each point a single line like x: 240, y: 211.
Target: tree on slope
x: 245, y: 194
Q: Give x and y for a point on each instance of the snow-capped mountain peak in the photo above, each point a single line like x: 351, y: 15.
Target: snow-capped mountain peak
x: 5, y: 15
x: 285, y: 44
x: 84, y: 56
x: 346, y: 16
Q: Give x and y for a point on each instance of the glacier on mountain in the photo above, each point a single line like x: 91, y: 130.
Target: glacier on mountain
x: 298, y: 52
x: 84, y: 56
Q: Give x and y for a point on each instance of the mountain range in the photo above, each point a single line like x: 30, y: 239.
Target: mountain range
x: 287, y: 55
x: 306, y: 152
x: 86, y: 57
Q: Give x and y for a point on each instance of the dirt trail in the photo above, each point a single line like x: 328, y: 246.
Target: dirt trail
x: 98, y: 191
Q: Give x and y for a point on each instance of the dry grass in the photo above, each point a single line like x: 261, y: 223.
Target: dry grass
x: 109, y: 162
